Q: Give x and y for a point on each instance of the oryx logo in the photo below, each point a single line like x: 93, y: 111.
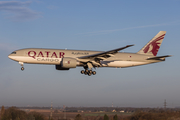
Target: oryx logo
x: 154, y: 45
x: 69, y: 62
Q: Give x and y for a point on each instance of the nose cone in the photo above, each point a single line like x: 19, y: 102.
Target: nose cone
x: 10, y: 56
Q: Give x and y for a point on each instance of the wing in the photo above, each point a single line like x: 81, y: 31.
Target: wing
x: 104, y: 55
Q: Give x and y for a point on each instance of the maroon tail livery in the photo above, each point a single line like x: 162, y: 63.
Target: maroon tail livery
x: 152, y: 47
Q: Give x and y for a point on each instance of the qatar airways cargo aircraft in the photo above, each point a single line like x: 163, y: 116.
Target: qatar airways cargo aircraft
x: 65, y: 59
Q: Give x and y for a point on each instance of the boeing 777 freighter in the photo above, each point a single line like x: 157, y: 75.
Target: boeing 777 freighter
x: 65, y: 59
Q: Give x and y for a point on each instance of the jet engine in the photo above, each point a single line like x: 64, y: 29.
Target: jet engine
x: 58, y: 67
x: 67, y: 63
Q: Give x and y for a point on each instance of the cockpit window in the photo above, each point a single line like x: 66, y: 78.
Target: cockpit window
x: 13, y: 53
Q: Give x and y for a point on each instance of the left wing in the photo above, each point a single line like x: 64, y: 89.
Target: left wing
x: 104, y: 55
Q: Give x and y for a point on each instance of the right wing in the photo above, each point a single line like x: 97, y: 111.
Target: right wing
x: 104, y: 55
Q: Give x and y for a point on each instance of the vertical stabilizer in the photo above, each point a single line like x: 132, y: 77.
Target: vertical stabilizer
x: 152, y: 47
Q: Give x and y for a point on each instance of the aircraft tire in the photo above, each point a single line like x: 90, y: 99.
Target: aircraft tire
x: 87, y: 70
x: 82, y: 71
x: 90, y: 71
x: 22, y: 68
x: 85, y: 73
x: 93, y: 72
x: 89, y: 74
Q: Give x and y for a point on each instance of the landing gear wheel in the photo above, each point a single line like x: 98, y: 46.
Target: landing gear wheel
x: 87, y: 70
x: 89, y: 74
x: 82, y: 71
x: 22, y: 68
x: 85, y: 73
x: 90, y: 71
x: 94, y: 72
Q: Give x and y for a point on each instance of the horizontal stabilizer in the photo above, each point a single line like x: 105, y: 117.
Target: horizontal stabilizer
x: 159, y: 57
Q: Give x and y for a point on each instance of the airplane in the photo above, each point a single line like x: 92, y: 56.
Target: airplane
x: 64, y: 59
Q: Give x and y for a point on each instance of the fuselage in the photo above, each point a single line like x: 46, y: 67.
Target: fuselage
x: 55, y: 56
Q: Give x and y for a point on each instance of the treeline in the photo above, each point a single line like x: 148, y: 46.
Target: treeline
x: 14, y: 113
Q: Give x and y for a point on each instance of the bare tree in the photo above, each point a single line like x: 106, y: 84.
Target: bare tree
x: 78, y: 117
x: 106, y: 117
x: 2, y: 110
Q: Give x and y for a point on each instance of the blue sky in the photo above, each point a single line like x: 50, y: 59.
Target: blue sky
x: 89, y: 25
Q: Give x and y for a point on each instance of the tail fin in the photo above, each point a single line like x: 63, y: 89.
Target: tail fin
x: 152, y: 47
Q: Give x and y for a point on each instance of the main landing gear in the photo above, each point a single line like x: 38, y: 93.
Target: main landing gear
x: 22, y: 64
x: 88, y: 72
x: 88, y: 69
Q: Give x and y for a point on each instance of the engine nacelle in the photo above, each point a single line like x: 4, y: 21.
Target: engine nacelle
x: 58, y: 67
x: 68, y: 63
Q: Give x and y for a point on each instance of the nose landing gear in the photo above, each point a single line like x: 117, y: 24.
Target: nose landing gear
x: 22, y: 64
x: 22, y: 68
